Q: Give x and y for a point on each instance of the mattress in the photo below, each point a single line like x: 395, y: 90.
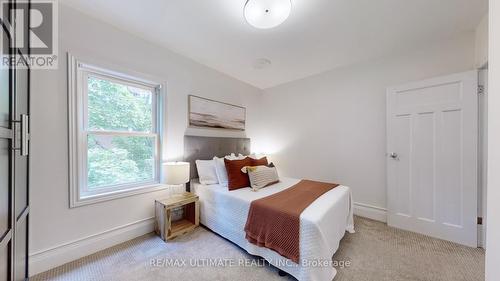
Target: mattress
x: 322, y: 225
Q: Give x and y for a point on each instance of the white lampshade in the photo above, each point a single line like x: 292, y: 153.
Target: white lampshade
x: 267, y: 13
x: 176, y: 172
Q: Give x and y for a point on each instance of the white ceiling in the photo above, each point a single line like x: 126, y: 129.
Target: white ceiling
x: 318, y: 36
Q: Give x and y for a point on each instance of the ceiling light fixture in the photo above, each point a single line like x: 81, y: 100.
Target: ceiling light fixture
x: 266, y: 14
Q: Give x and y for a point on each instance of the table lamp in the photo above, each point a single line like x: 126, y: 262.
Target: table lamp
x: 176, y: 174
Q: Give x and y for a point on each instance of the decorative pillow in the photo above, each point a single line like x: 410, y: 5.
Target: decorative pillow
x: 259, y: 162
x: 261, y: 176
x: 206, y: 171
x: 220, y: 168
x: 255, y: 156
x: 236, y: 178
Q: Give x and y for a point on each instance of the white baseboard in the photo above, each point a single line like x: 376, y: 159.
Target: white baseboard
x: 371, y: 212
x: 53, y: 257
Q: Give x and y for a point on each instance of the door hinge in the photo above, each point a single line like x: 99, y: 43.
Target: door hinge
x: 479, y: 220
x: 480, y: 89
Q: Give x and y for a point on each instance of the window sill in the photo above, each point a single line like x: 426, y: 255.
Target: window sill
x: 77, y: 201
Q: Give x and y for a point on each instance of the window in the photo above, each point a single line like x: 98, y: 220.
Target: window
x: 114, y: 138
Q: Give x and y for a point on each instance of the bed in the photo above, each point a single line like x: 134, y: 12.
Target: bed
x: 322, y: 225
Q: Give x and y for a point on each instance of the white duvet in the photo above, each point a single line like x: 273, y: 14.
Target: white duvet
x: 322, y: 225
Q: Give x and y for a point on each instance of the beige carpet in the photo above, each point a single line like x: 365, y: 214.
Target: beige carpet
x: 375, y: 252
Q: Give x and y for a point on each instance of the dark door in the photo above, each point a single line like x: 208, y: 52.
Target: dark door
x: 6, y: 166
x: 21, y: 196
x: 14, y: 158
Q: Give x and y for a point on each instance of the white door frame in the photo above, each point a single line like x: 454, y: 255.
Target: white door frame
x: 482, y: 155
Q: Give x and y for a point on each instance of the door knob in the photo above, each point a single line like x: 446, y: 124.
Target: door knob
x: 394, y: 155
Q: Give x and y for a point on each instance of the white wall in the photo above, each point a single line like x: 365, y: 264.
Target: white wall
x: 59, y: 234
x: 481, y: 55
x: 332, y: 126
x: 493, y: 227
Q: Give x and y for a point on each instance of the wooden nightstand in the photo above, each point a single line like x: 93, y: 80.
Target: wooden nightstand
x: 168, y: 229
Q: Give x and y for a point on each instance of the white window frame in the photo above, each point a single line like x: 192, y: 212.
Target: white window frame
x: 80, y: 195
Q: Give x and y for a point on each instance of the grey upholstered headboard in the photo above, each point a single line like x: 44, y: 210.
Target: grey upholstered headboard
x: 205, y: 148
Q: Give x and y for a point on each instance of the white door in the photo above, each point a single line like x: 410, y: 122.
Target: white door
x: 432, y: 129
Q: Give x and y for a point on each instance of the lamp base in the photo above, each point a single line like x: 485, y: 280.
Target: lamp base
x: 176, y: 190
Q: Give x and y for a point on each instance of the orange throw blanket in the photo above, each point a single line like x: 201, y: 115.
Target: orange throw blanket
x: 274, y: 221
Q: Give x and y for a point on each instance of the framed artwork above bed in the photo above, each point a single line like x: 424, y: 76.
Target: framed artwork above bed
x: 207, y: 113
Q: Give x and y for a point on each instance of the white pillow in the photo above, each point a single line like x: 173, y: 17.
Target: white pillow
x: 220, y: 167
x: 206, y: 171
x: 257, y: 156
